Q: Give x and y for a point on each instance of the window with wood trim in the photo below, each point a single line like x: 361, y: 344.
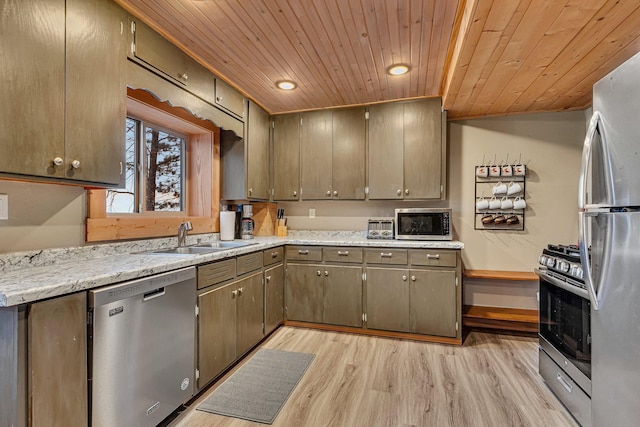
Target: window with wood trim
x: 150, y: 205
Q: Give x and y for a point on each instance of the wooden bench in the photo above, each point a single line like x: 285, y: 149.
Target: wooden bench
x: 500, y: 318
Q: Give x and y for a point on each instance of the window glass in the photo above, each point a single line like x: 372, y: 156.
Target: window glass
x: 154, y: 180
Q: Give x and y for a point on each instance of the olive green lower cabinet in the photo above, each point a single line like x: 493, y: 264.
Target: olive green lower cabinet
x: 230, y: 322
x: 273, y: 298
x: 408, y: 291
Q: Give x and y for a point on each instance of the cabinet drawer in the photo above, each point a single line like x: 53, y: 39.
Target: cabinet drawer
x: 342, y: 254
x: 249, y: 262
x: 229, y: 99
x: 216, y: 272
x: 304, y: 253
x: 273, y: 255
x: 436, y: 258
x: 385, y: 256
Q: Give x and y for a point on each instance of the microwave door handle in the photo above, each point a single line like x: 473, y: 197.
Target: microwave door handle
x: 586, y: 158
x: 584, y: 257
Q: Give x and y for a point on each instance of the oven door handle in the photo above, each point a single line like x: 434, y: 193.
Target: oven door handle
x: 563, y: 285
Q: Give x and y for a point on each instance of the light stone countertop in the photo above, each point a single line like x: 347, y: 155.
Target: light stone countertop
x: 36, y: 275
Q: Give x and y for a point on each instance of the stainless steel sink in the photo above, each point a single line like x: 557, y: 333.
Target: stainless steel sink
x: 224, y: 245
x: 184, y: 250
x: 202, y: 248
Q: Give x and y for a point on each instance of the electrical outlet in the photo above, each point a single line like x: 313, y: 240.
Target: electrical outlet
x: 312, y: 213
x: 4, y: 206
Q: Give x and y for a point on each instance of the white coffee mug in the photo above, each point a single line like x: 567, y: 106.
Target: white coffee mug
x: 513, y: 188
x: 482, y: 203
x: 506, y: 203
x: 519, y: 203
x: 494, y: 203
x: 507, y: 170
x: 482, y: 171
x: 499, y: 188
x: 519, y: 170
x: 494, y: 170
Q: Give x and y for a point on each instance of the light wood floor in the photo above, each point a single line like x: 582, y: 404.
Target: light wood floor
x: 366, y: 381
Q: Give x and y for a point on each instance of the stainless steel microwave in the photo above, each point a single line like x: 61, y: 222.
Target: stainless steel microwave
x: 423, y: 224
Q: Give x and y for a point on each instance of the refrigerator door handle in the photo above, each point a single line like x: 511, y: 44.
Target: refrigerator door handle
x: 584, y: 257
x: 586, y: 158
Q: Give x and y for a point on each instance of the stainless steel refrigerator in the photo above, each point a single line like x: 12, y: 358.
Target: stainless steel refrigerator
x: 609, y: 202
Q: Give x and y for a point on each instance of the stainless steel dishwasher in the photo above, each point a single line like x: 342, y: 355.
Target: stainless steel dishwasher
x: 142, y: 347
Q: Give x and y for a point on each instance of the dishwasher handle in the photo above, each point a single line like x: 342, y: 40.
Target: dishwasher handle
x: 156, y: 293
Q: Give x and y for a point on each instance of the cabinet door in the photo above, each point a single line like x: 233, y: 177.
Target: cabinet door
x: 216, y: 332
x: 304, y: 292
x: 388, y: 299
x: 432, y: 306
x: 258, y: 153
x: 273, y: 298
x: 96, y: 91
x: 348, y: 160
x: 316, y: 152
x: 57, y: 335
x: 342, y: 296
x: 385, y: 151
x: 250, y: 314
x: 286, y: 157
x: 32, y: 37
x: 422, y: 149
x: 229, y: 98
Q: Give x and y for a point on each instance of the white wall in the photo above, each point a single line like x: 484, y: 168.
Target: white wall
x: 42, y: 216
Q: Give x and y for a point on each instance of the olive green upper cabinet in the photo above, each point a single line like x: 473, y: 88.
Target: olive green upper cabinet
x: 229, y: 99
x: 68, y: 126
x: 245, y: 161
x: 32, y: 37
x: 407, y: 150
x: 286, y: 156
x: 333, y: 154
x: 95, y: 91
x: 258, y: 153
x: 166, y: 59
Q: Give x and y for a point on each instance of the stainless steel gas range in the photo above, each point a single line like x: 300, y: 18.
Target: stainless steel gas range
x: 565, y: 329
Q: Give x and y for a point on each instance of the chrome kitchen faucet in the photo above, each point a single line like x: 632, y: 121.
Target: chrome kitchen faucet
x: 183, y: 229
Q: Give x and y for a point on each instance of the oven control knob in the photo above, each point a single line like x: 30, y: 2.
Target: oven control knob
x: 577, y: 272
x: 551, y: 262
x: 563, y: 266
x: 542, y: 260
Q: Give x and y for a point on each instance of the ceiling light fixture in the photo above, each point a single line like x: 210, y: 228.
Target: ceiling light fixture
x: 398, y: 69
x: 286, y: 85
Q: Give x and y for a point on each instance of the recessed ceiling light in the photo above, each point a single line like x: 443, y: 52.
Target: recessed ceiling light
x: 286, y: 85
x: 398, y: 69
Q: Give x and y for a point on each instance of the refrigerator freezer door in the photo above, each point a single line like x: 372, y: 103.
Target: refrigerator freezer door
x: 616, y: 157
x: 615, y: 326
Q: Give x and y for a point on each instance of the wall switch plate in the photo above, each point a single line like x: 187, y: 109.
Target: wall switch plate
x: 312, y: 213
x: 4, y: 206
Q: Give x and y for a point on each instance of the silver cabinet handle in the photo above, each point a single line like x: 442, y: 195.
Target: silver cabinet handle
x: 218, y: 98
x: 564, y: 383
x: 268, y: 279
x: 303, y: 252
x: 234, y: 293
x: 250, y: 191
x: 326, y: 273
x: 399, y: 192
x: 75, y: 164
x: 295, y: 193
x: 274, y: 254
x: 386, y: 254
x: 240, y: 290
x: 343, y: 253
x: 58, y: 161
x: 406, y: 191
x: 413, y: 278
x: 328, y: 193
x: 404, y: 278
x: 429, y: 256
x: 335, y: 192
x: 319, y: 273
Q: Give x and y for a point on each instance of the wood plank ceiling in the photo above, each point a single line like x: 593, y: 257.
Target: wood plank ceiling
x: 484, y: 57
